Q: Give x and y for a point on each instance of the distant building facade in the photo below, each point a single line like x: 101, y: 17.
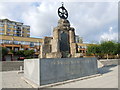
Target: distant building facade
x: 16, y: 43
x: 78, y: 39
x: 13, y: 28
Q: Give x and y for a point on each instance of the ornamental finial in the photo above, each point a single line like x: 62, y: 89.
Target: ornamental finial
x: 62, y: 3
x: 62, y: 12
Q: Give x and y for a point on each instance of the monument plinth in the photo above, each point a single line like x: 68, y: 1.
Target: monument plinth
x: 62, y: 44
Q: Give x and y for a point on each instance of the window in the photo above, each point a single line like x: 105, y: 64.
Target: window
x: 28, y: 29
x: 1, y: 29
x: 9, y: 26
x: 21, y: 48
x: 8, y: 30
x: 1, y: 25
x: 16, y: 42
x: 22, y: 42
x: 27, y: 43
x: 36, y: 43
x: 13, y: 23
x: 16, y: 48
x: 1, y: 33
x: 35, y: 50
x: 1, y: 22
x: 9, y: 48
x: 18, y: 34
x: 0, y: 41
x: 18, y: 31
x: 31, y: 44
x: 7, y: 41
x: 14, y: 31
x: 79, y: 46
x: 15, y: 27
x: 10, y: 34
x: 9, y: 23
x: 10, y: 42
x: 14, y: 35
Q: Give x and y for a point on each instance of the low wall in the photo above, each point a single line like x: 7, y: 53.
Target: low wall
x: 109, y: 62
x: 11, y: 65
x: 48, y: 71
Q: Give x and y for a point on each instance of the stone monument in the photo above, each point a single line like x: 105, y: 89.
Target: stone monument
x: 53, y: 66
x: 62, y: 44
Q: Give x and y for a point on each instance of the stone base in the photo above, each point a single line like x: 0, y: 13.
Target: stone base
x: 77, y: 55
x: 54, y: 55
x: 54, y: 70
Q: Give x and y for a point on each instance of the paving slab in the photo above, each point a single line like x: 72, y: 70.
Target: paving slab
x: 108, y: 79
x: 11, y: 79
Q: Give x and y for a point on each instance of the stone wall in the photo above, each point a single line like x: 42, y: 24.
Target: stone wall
x: 11, y: 65
x: 55, y: 70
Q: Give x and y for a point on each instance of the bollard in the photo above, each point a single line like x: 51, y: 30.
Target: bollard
x: 107, y: 56
x: 20, y: 68
x: 117, y: 56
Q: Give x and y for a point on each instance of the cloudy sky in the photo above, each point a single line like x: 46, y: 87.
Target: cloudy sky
x: 94, y: 21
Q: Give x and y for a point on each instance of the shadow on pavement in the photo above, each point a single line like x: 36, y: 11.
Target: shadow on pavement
x: 105, y: 69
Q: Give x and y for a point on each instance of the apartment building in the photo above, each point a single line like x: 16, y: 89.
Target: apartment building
x: 82, y: 47
x: 13, y: 28
x: 16, y: 43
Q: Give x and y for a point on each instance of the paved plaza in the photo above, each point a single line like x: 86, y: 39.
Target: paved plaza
x: 108, y: 79
x: 12, y: 79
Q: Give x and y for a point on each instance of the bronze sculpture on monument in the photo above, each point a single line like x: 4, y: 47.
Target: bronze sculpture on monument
x: 62, y: 44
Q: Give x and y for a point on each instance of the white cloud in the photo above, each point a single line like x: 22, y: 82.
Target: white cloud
x: 108, y: 36
x: 89, y: 19
x: 41, y: 19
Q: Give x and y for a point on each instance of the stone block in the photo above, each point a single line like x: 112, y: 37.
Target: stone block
x: 55, y: 45
x: 53, y: 70
x: 73, y: 49
x: 78, y: 55
x: 54, y: 55
x: 32, y: 70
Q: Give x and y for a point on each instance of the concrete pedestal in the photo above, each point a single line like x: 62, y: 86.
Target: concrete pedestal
x: 53, y: 70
